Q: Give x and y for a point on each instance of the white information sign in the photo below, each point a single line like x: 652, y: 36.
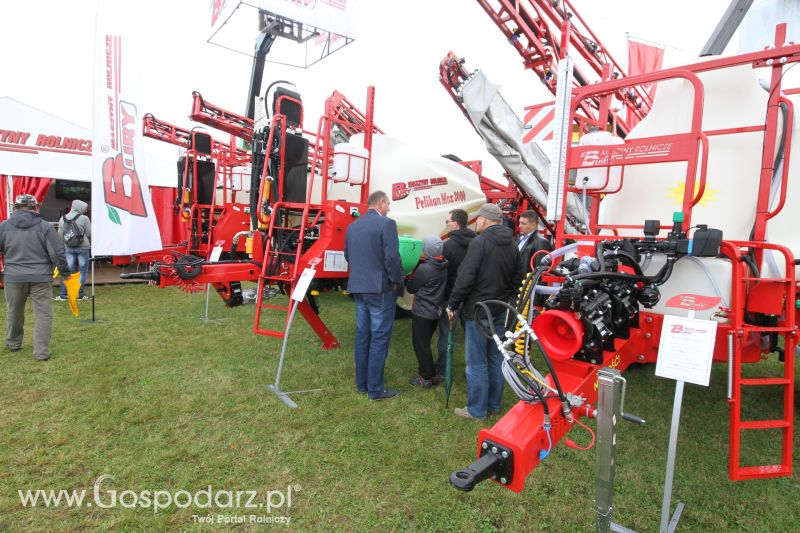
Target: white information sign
x: 686, y: 349
x: 334, y: 261
x: 216, y: 252
x: 299, y: 292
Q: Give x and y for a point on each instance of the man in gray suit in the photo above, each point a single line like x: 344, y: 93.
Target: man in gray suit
x: 372, y: 250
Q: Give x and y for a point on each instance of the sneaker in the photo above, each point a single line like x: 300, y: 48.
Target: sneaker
x: 385, y: 394
x: 464, y: 413
x: 419, y: 381
x: 60, y: 299
x: 42, y: 359
x: 84, y: 298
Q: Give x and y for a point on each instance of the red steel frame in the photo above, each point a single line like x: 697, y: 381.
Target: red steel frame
x: 522, y: 429
x: 543, y: 34
x: 223, y: 221
x: 331, y: 217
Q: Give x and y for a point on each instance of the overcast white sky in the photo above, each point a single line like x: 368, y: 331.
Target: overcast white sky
x: 47, y: 59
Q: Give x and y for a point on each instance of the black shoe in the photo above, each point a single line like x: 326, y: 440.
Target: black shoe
x: 10, y: 349
x: 361, y: 391
x: 385, y: 394
x: 419, y: 381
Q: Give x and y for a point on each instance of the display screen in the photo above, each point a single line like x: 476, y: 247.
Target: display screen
x: 73, y: 190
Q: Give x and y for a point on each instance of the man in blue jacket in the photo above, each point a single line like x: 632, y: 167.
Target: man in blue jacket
x: 31, y: 248
x: 372, y: 250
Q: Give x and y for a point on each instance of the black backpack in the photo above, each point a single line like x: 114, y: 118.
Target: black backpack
x: 73, y: 236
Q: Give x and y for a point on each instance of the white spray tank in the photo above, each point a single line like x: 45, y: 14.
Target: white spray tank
x: 422, y: 188
x: 733, y: 99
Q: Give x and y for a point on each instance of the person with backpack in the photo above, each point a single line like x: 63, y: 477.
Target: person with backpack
x: 75, y: 229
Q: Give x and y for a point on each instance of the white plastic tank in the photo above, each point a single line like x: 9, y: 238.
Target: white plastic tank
x: 422, y: 188
x: 733, y: 99
x: 599, y: 179
x: 349, y: 163
x: 701, y: 283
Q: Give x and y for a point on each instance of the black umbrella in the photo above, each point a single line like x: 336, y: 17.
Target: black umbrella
x: 448, y: 366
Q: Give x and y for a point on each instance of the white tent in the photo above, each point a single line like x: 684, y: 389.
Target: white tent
x: 37, y: 144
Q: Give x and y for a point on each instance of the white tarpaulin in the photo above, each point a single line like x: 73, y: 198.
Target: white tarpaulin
x: 124, y: 221
x: 502, y: 131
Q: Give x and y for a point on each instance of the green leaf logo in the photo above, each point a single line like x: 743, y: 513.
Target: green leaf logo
x: 113, y: 215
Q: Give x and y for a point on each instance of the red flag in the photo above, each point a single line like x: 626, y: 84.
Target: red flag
x: 644, y: 58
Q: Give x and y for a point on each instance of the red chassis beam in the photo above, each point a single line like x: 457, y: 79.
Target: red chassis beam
x: 522, y: 430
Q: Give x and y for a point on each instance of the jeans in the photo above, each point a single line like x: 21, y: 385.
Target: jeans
x: 77, y: 259
x: 374, y: 322
x: 484, y: 374
x: 41, y: 294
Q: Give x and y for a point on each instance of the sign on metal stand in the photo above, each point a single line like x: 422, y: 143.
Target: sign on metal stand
x: 298, y: 295
x: 216, y: 252
x: 93, y: 319
x: 684, y: 354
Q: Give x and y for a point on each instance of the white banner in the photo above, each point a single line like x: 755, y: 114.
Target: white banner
x: 123, y: 221
x: 37, y: 144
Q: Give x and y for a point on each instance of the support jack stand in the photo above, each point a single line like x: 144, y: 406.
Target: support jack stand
x: 610, y: 401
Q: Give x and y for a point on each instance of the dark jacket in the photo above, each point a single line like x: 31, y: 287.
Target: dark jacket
x: 491, y: 270
x: 534, y: 243
x: 427, y: 284
x: 455, y: 248
x: 372, y: 250
x: 31, y: 248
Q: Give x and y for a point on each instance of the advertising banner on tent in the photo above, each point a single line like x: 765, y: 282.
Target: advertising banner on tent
x: 123, y: 220
x: 37, y: 144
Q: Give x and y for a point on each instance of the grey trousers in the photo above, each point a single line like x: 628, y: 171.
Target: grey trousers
x: 41, y: 294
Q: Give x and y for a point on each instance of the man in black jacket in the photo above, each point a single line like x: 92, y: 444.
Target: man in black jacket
x: 491, y: 270
x: 455, y: 248
x: 530, y: 241
x: 32, y: 248
x: 427, y: 285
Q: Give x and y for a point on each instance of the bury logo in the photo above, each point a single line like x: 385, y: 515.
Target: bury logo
x: 590, y: 158
x: 693, y: 301
x: 402, y: 189
x: 121, y: 184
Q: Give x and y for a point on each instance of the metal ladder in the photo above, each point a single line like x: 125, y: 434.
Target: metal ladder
x: 284, y: 268
x: 775, y: 290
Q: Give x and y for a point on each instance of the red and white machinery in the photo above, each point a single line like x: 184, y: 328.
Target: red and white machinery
x: 712, y: 165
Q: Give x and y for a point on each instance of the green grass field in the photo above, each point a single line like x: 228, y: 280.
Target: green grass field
x: 160, y: 400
